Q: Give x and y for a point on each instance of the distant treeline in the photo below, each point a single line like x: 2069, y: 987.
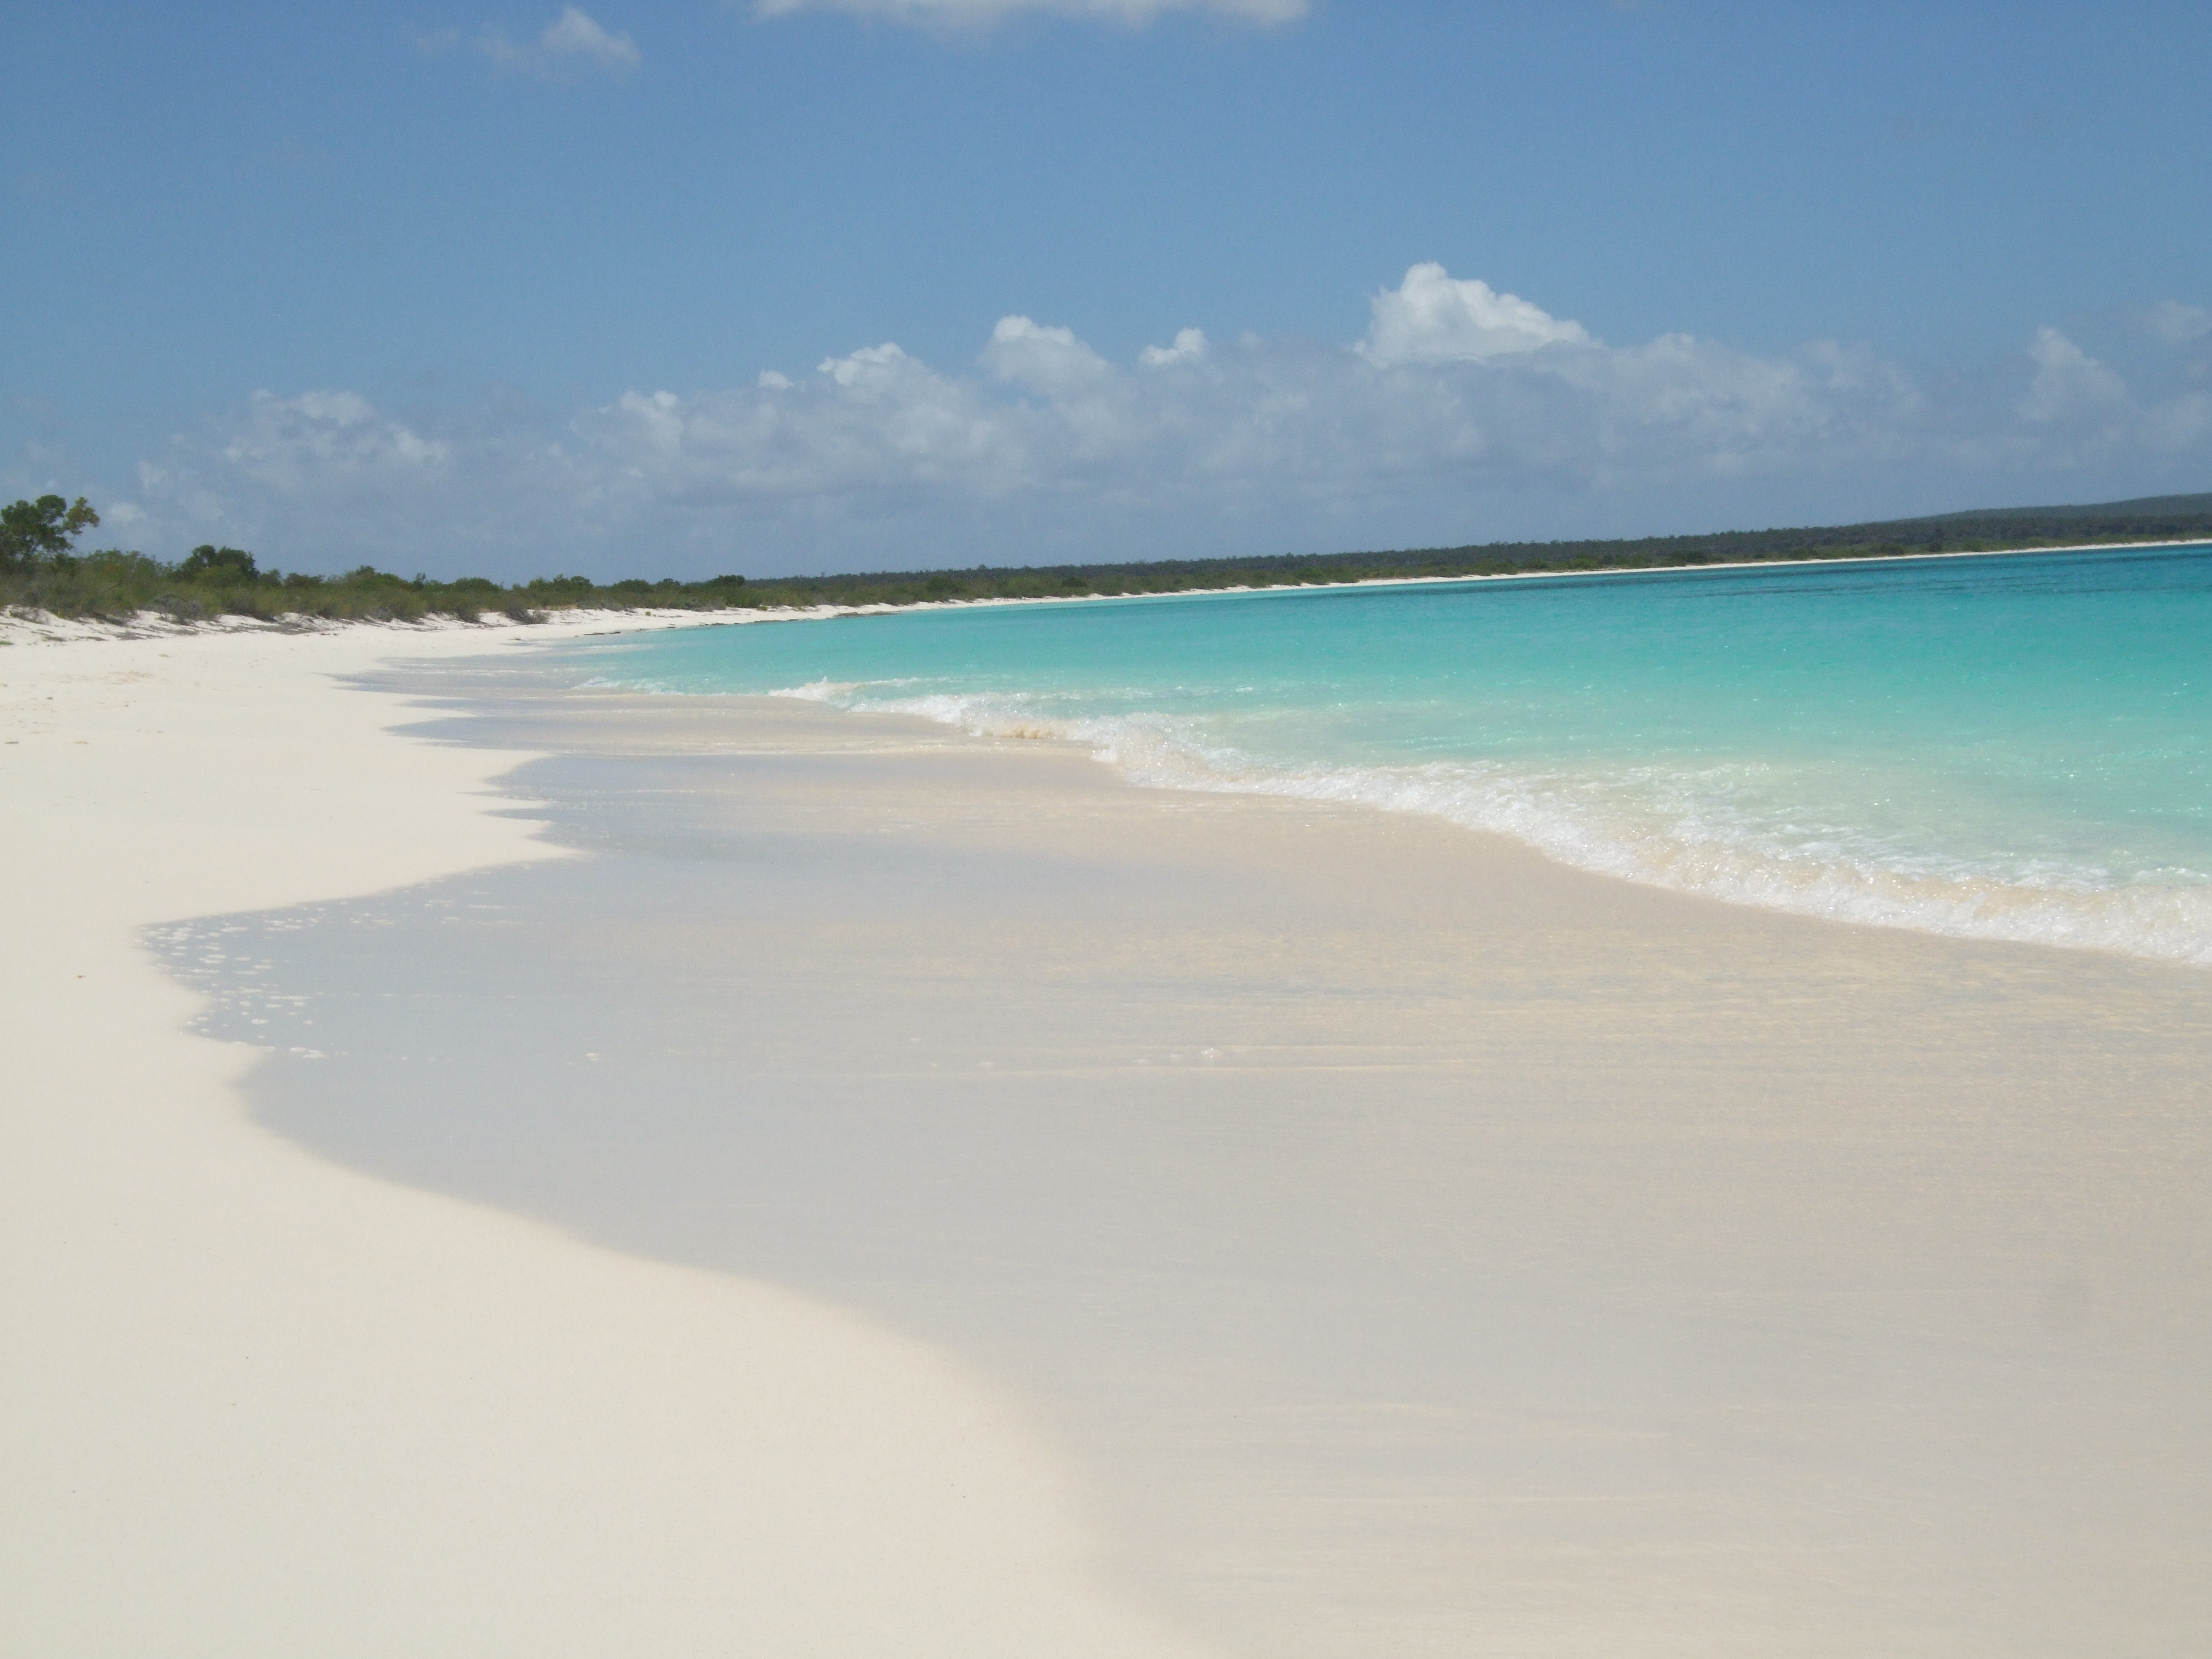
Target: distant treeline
x: 40, y: 569
x: 2168, y: 517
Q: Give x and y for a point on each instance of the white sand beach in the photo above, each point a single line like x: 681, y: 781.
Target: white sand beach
x: 1200, y: 829
x: 252, y: 1404
x: 1481, y: 1255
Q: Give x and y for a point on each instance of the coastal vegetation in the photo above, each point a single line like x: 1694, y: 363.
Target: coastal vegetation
x: 41, y: 570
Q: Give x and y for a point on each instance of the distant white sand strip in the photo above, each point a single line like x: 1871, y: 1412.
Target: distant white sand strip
x: 253, y: 1404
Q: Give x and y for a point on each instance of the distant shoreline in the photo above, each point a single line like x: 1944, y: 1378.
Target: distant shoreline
x: 826, y: 613
x: 20, y: 625
x: 1515, y: 576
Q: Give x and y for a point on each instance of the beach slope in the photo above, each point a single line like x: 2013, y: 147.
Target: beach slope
x: 252, y: 1403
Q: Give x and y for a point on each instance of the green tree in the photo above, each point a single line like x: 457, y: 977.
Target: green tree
x: 45, y: 526
x: 209, y: 561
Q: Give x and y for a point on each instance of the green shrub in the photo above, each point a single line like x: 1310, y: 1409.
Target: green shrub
x: 38, y: 568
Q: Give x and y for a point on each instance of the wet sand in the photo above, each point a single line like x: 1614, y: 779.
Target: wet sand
x: 254, y: 1404
x: 1417, y: 1247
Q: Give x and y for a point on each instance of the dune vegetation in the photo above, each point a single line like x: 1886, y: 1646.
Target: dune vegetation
x: 41, y: 569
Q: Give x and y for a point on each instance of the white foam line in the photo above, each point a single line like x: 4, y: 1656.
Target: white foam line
x: 2159, y: 923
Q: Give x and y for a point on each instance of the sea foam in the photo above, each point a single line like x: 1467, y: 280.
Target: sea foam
x: 2006, y: 748
x: 1617, y: 826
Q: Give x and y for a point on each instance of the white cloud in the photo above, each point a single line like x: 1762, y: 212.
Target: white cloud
x: 284, y: 443
x: 984, y: 14
x: 2177, y: 323
x: 1430, y: 319
x: 2069, y: 383
x: 1050, y: 361
x: 1189, y: 347
x: 1457, y: 404
x: 572, y: 43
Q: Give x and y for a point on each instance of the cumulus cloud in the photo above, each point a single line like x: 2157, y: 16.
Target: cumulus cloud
x: 1189, y: 347
x: 1430, y: 319
x: 322, y: 444
x: 983, y: 14
x: 572, y: 44
x: 1457, y: 398
x: 1049, y: 361
x: 2069, y: 382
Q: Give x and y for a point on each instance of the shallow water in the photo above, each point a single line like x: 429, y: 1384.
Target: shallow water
x: 1419, y: 1255
x: 2013, y: 747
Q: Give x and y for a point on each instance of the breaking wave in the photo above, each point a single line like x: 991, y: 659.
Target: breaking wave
x: 1690, y: 831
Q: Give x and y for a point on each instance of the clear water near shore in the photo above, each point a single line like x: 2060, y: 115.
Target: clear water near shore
x: 2012, y: 748
x: 1418, y: 1249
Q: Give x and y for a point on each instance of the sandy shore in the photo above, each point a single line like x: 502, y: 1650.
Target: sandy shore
x: 253, y: 1404
x: 1209, y: 1223
x: 1416, y: 1246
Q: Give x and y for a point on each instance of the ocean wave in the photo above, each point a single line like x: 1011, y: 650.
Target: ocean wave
x: 839, y: 692
x: 1646, y: 825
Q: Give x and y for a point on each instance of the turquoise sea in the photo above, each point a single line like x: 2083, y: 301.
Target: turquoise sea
x: 2016, y: 747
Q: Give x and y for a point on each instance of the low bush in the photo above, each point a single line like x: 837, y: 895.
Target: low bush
x: 39, y: 571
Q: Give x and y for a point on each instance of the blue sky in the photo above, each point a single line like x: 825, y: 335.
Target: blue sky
x: 505, y: 288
